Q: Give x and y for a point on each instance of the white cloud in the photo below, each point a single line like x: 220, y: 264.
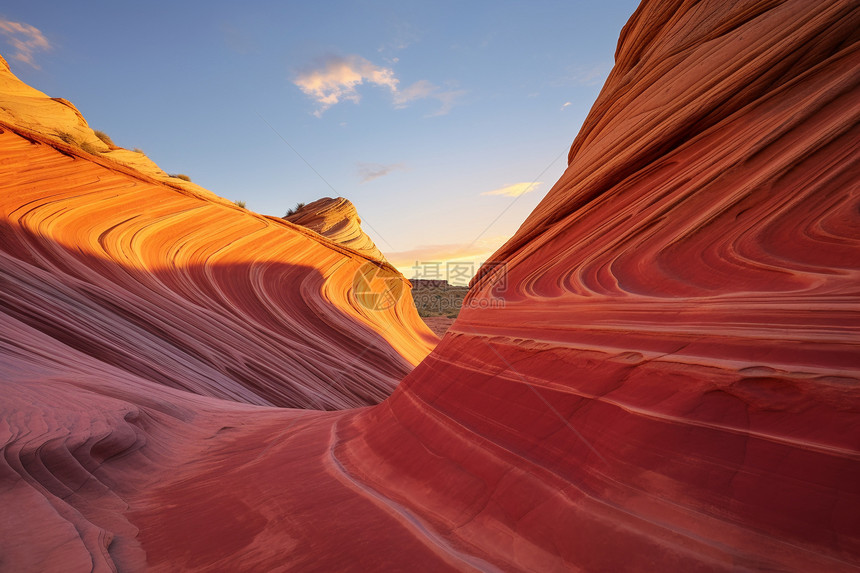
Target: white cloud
x: 335, y: 79
x: 565, y: 104
x: 25, y: 39
x: 370, y: 171
x: 514, y: 190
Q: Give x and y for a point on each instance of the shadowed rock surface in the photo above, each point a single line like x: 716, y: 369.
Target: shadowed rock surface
x: 673, y: 383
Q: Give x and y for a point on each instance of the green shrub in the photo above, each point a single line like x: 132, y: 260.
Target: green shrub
x: 240, y: 204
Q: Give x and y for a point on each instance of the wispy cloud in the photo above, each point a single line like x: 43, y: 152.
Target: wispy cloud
x: 565, y: 104
x: 25, y: 39
x: 593, y: 75
x: 405, y: 34
x: 370, y: 171
x: 335, y: 78
x: 422, y: 89
x: 514, y: 190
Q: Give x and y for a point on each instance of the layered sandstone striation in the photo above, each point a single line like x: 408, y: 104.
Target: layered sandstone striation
x: 673, y: 382
x: 337, y: 219
x: 190, y: 293
x: 141, y: 322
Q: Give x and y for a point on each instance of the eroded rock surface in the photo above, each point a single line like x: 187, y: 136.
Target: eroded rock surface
x: 672, y: 384
x: 338, y: 220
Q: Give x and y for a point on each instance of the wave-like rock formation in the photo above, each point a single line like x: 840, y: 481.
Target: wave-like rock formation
x: 338, y: 220
x: 190, y: 293
x: 671, y: 384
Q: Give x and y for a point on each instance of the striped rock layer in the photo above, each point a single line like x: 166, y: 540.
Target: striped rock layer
x: 667, y: 379
x: 337, y: 219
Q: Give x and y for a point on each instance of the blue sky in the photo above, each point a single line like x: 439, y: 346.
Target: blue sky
x: 429, y: 116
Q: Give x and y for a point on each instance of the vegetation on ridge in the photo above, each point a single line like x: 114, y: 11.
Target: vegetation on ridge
x: 296, y: 209
x: 104, y: 137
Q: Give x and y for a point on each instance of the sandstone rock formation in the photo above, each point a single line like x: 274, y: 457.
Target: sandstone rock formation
x: 338, y: 220
x: 673, y: 383
x: 59, y: 121
x: 186, y: 292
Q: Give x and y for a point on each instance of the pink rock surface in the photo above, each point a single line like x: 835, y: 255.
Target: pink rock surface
x: 190, y: 293
x: 673, y: 383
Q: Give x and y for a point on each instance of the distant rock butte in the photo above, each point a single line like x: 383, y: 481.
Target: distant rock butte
x: 338, y: 220
x: 673, y: 383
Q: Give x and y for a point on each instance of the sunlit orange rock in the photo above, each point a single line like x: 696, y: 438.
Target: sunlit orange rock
x: 196, y: 295
x: 672, y: 383
x: 59, y: 122
x: 338, y: 220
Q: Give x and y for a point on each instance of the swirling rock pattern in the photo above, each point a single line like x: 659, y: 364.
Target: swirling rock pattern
x: 673, y: 382
x: 129, y: 301
x: 124, y: 304
x: 190, y: 293
x: 337, y: 219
